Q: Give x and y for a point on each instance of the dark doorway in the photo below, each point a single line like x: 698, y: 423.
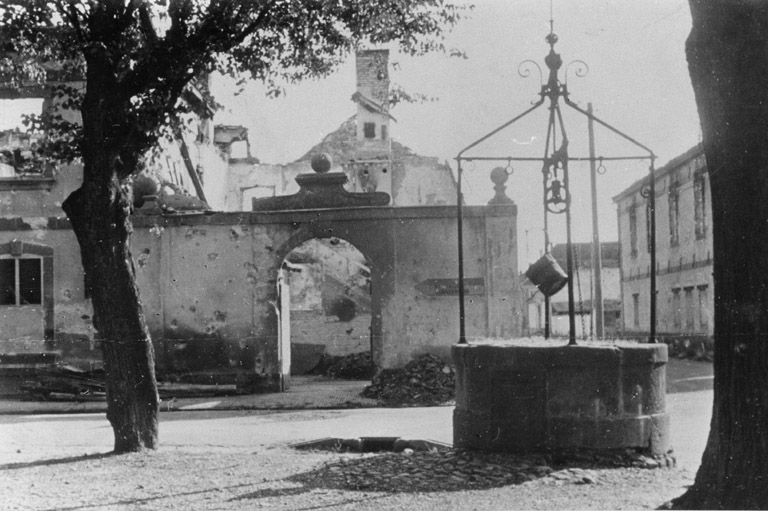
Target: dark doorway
x: 329, y: 317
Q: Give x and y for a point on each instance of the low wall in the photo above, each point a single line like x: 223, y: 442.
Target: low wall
x: 522, y: 396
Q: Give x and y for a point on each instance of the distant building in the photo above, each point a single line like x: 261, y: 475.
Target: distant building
x: 583, y: 292
x: 362, y: 148
x: 683, y: 251
x: 42, y: 294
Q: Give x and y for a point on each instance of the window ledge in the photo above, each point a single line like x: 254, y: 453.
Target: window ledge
x: 26, y: 183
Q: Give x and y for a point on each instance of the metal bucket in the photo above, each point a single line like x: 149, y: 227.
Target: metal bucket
x: 547, y: 275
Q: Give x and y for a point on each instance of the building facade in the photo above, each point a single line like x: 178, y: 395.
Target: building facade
x: 684, y: 284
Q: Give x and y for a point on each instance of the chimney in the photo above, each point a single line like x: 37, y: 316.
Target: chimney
x: 371, y: 168
x: 373, y: 76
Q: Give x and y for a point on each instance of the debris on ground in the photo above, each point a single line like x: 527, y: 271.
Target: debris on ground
x: 425, y: 381
x: 67, y: 382
x: 357, y: 366
x: 431, y: 470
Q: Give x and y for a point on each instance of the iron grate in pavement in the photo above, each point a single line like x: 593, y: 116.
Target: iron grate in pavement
x: 371, y: 444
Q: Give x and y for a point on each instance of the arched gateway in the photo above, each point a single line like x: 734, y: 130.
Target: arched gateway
x: 210, y: 283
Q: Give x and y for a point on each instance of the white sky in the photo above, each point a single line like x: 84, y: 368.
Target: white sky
x: 638, y: 81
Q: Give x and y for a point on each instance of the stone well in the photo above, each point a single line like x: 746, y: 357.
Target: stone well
x: 520, y: 396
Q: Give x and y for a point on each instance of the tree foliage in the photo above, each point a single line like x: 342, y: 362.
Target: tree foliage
x: 150, y: 50
x: 137, y: 57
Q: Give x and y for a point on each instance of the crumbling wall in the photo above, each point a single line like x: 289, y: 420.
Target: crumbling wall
x: 208, y: 284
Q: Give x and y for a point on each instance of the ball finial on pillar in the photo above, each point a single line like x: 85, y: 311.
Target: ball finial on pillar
x: 321, y: 163
x: 499, y: 176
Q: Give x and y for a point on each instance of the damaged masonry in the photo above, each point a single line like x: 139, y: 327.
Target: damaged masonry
x: 220, y: 297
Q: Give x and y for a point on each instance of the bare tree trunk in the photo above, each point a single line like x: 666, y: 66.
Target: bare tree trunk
x: 102, y: 225
x: 727, y: 54
x: 99, y: 212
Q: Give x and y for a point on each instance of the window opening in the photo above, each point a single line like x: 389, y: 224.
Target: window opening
x: 636, y: 309
x: 676, y: 312
x: 21, y: 281
x: 704, y: 308
x: 689, y: 309
x: 674, y: 213
x: 369, y: 130
x: 699, y: 205
x: 633, y: 229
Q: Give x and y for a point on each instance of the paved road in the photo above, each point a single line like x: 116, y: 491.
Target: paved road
x: 30, y: 437
x: 25, y: 438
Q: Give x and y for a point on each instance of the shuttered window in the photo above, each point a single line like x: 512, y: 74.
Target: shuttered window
x: 21, y: 281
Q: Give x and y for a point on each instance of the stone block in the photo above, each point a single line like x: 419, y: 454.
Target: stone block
x: 485, y: 432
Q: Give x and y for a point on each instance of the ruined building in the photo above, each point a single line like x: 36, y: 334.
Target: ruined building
x: 215, y: 276
x: 362, y: 148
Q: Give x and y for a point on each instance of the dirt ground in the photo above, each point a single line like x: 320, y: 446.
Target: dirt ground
x: 196, y: 477
x: 243, y: 459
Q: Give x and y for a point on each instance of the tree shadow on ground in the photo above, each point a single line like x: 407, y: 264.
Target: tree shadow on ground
x: 449, y: 471
x: 135, y: 503
x: 56, y: 461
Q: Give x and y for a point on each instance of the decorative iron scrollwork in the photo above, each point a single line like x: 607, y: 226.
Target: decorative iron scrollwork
x: 524, y: 70
x: 581, y: 69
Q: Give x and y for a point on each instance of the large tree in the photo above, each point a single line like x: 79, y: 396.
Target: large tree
x: 137, y: 57
x: 727, y: 54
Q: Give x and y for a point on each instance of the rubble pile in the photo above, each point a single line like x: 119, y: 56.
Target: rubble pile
x: 66, y: 382
x: 357, y: 366
x: 425, y: 381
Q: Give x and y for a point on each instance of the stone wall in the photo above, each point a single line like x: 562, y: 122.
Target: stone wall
x: 209, y: 285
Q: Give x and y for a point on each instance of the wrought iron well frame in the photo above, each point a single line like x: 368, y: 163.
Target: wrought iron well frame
x: 552, y: 162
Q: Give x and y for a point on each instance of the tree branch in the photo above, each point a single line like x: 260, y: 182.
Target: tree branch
x: 70, y: 13
x: 147, y: 28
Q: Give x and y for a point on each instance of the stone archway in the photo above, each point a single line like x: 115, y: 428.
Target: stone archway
x: 212, y: 280
x: 328, y: 311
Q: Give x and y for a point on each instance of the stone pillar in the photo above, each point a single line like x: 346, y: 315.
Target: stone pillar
x: 504, y: 297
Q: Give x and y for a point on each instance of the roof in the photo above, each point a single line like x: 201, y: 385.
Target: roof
x: 674, y: 163
x: 609, y: 305
x: 371, y: 105
x: 609, y: 251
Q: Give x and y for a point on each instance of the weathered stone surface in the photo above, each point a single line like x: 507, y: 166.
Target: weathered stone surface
x: 526, y: 397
